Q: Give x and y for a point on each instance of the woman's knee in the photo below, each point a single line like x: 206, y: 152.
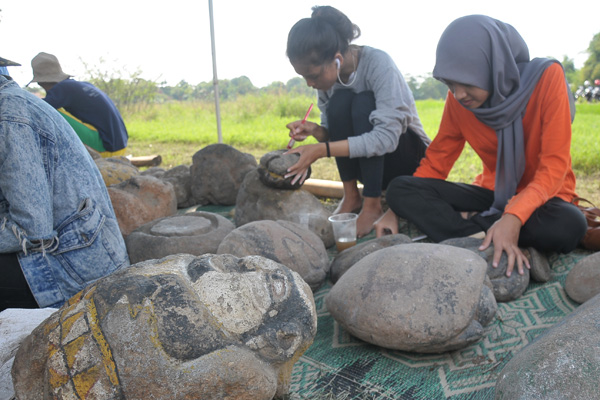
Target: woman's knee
x: 402, y: 186
x: 557, y: 227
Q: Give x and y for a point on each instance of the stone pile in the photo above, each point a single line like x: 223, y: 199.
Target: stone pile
x: 256, y: 202
x: 140, y: 200
x: 285, y: 242
x: 180, y: 178
x: 217, y: 173
x: 193, y: 233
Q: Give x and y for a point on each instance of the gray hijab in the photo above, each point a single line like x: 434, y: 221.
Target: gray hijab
x: 484, y: 52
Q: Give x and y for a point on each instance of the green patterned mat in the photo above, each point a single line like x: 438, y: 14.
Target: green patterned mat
x: 340, y: 366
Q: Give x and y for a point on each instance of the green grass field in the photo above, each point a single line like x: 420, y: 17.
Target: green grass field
x: 255, y: 124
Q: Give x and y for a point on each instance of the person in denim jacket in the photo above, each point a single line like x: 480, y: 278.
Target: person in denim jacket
x: 58, y: 230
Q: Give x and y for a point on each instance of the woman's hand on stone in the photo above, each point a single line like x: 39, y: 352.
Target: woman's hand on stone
x: 308, y: 154
x: 504, y: 234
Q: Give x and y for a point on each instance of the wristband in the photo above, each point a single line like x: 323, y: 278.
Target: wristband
x: 328, y: 151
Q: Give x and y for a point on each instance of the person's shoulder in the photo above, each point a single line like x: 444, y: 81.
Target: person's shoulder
x: 374, y: 53
x: 552, y: 77
x: 69, y: 82
x: 555, y: 69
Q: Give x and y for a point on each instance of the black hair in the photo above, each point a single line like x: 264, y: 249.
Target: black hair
x: 317, y: 39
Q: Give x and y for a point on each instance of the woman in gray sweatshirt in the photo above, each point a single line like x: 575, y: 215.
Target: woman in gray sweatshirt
x: 369, y: 121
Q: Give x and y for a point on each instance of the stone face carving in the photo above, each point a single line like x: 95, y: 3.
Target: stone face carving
x: 562, y: 363
x: 115, y: 170
x: 285, y: 242
x: 217, y: 173
x: 183, y: 327
x: 193, y: 233
x: 416, y: 297
x: 583, y: 280
x: 140, y: 200
x: 505, y: 288
x: 273, y: 167
x: 347, y: 258
x: 256, y: 202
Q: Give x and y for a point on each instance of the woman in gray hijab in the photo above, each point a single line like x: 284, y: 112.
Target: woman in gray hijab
x: 516, y: 114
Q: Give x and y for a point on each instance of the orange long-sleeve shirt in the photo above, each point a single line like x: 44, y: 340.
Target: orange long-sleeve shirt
x: 547, y: 136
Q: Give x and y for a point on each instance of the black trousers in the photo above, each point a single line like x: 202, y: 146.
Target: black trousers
x: 14, y: 290
x: 348, y: 115
x: 434, y: 206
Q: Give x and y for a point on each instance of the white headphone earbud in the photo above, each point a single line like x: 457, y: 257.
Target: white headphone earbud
x: 337, y: 61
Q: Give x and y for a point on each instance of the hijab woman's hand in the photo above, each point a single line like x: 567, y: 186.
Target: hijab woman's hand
x: 504, y: 234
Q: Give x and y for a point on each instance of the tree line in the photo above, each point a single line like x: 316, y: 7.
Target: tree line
x: 131, y: 93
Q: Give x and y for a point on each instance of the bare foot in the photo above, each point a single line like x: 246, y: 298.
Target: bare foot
x: 352, y: 200
x: 348, y: 205
x: 370, y: 213
x: 467, y: 214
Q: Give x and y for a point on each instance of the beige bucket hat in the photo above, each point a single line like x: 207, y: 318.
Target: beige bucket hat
x: 46, y: 68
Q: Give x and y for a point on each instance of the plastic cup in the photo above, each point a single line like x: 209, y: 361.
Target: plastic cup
x: 344, y: 230
x: 304, y: 219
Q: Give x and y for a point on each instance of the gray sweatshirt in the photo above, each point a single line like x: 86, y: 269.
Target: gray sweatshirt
x: 395, y: 109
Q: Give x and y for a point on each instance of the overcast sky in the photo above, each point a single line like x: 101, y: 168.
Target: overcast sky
x: 170, y: 40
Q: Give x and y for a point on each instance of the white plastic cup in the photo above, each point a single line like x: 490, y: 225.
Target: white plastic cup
x: 344, y: 230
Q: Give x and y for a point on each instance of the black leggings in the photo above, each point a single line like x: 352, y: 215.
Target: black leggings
x: 14, y: 290
x: 434, y: 206
x: 348, y: 115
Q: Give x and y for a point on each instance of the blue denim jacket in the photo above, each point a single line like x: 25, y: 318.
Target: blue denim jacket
x: 55, y: 211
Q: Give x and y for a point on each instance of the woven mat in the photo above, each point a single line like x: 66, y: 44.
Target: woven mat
x: 340, y: 366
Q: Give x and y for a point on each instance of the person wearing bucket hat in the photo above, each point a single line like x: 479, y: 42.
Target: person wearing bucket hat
x: 6, y: 63
x: 58, y: 229
x: 90, y: 111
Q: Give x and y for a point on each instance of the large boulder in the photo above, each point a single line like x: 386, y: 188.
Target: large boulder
x: 506, y: 288
x: 346, y: 259
x: 140, y: 200
x: 562, y: 363
x: 115, y: 170
x: 157, y: 172
x: 217, y: 172
x: 183, y: 327
x: 256, y: 202
x: 583, y: 280
x: 181, y: 180
x: 285, y: 242
x: 417, y: 297
x: 273, y: 167
x: 194, y: 233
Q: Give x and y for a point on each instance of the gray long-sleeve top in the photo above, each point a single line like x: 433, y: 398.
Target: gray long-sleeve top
x: 395, y: 109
